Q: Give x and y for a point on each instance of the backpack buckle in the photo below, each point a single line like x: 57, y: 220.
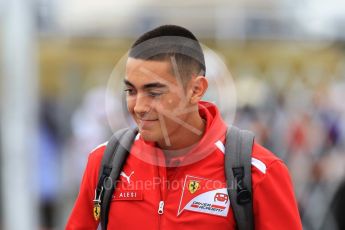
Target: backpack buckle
x: 243, y: 194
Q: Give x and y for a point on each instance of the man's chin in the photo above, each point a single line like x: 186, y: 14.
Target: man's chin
x: 148, y: 136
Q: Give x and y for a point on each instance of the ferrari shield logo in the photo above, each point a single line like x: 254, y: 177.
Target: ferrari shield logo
x: 193, y: 186
x: 96, y: 211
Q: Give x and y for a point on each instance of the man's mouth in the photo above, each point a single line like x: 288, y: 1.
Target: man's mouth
x: 148, y: 119
x: 145, y: 123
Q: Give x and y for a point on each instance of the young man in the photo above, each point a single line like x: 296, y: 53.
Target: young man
x: 175, y: 168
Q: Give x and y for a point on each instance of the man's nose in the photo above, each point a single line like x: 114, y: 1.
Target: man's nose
x: 142, y: 104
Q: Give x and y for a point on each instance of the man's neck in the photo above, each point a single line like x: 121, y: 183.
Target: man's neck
x: 184, y: 138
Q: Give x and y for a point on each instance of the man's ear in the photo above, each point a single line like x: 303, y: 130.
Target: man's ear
x: 198, y: 88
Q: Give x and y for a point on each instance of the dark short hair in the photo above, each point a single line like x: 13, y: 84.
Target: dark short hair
x: 171, y: 41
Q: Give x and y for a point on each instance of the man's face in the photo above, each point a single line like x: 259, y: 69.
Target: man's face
x: 156, y: 99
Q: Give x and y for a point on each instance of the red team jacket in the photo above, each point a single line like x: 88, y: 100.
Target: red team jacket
x: 190, y: 192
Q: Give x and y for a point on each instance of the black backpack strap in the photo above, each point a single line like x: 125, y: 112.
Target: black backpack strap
x: 113, y: 159
x: 238, y: 151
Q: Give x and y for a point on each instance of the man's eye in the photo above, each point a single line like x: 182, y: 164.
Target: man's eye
x: 130, y: 91
x: 154, y: 94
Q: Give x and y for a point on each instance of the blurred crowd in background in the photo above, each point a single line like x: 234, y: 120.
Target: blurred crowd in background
x: 289, y: 82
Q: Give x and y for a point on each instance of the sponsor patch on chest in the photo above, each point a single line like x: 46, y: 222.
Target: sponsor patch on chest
x: 204, y: 196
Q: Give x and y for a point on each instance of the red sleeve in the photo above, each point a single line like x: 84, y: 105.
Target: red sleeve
x: 274, y: 202
x: 82, y: 213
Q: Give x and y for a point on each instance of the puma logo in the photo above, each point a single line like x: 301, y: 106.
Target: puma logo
x: 127, y: 177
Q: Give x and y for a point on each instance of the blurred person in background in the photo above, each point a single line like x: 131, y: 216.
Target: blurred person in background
x: 335, y: 218
x: 49, y: 161
x: 157, y: 99
x: 89, y: 127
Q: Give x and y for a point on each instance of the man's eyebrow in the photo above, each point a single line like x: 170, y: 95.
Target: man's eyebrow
x: 147, y: 86
x: 128, y: 83
x: 154, y: 85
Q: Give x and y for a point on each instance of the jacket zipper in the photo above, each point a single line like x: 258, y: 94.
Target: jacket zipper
x: 160, y: 209
x: 163, y: 193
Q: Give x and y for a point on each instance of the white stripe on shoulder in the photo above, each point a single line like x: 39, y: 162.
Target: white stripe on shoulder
x: 137, y: 137
x: 259, y: 165
x: 220, y: 146
x: 255, y: 162
x: 99, y: 146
